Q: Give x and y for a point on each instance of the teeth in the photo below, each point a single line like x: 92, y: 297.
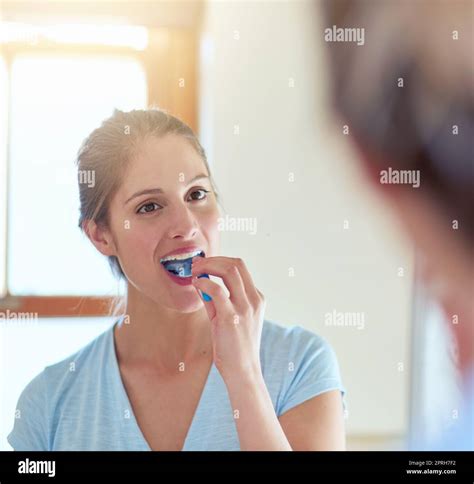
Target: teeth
x: 183, y: 256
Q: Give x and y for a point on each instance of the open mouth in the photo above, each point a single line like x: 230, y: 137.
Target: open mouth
x: 180, y: 264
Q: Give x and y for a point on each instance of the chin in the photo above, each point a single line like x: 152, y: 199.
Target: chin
x: 184, y: 300
x: 189, y: 305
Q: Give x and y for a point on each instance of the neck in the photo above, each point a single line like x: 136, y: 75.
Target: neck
x: 155, y: 335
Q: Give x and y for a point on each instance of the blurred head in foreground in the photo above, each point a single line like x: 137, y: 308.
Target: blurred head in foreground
x: 401, y: 75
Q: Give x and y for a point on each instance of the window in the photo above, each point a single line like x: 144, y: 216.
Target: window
x: 55, y: 103
x: 3, y: 175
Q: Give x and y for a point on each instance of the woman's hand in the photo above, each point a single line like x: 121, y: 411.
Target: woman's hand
x: 236, y: 319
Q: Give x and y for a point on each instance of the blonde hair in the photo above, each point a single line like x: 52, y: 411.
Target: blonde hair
x: 106, y: 153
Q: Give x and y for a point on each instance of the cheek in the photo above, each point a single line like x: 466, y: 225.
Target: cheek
x: 138, y: 241
x: 209, y: 224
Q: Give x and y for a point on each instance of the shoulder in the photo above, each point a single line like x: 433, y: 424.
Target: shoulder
x: 69, y: 375
x: 297, y: 364
x: 292, y: 344
x: 37, y: 404
x: 80, y: 361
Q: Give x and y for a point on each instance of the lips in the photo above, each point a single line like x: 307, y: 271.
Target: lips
x: 179, y: 263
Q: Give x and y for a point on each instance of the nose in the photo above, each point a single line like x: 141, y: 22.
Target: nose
x: 183, y: 223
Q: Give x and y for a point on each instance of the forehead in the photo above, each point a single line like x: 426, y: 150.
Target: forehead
x: 163, y: 159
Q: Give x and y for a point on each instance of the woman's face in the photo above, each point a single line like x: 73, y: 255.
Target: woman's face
x: 161, y: 206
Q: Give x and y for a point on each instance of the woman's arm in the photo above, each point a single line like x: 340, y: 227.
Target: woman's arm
x: 257, y: 424
x: 317, y: 424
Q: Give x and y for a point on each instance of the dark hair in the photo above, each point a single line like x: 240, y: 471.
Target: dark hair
x: 410, y: 126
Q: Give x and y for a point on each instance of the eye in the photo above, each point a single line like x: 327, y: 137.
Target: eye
x: 200, y: 191
x: 147, y: 208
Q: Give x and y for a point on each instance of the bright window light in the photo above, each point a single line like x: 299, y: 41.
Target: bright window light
x: 3, y: 178
x: 55, y: 103
x: 135, y: 37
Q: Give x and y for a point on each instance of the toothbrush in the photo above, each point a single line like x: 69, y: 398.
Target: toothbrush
x: 205, y: 296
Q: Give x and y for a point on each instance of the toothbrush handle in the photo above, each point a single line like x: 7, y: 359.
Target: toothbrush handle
x: 205, y: 296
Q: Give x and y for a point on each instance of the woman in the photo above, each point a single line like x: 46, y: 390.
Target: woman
x: 187, y: 366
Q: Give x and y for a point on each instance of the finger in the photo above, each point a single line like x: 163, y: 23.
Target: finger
x: 251, y: 292
x: 224, y: 268
x: 210, y: 308
x: 262, y: 298
x: 220, y: 301
x: 250, y: 289
x: 217, y: 266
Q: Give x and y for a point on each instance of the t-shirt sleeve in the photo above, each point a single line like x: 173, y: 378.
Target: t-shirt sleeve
x: 30, y: 424
x: 312, y: 370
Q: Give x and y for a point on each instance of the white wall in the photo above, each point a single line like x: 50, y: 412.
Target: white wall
x: 252, y: 55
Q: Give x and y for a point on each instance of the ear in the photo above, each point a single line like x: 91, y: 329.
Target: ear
x: 100, y: 237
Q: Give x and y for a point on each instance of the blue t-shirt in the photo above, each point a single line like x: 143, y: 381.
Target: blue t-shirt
x: 81, y: 403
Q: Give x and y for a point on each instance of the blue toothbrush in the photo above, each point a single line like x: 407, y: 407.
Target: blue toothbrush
x: 183, y: 268
x: 205, y: 296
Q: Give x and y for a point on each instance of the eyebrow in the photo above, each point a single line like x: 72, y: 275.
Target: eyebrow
x: 148, y: 191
